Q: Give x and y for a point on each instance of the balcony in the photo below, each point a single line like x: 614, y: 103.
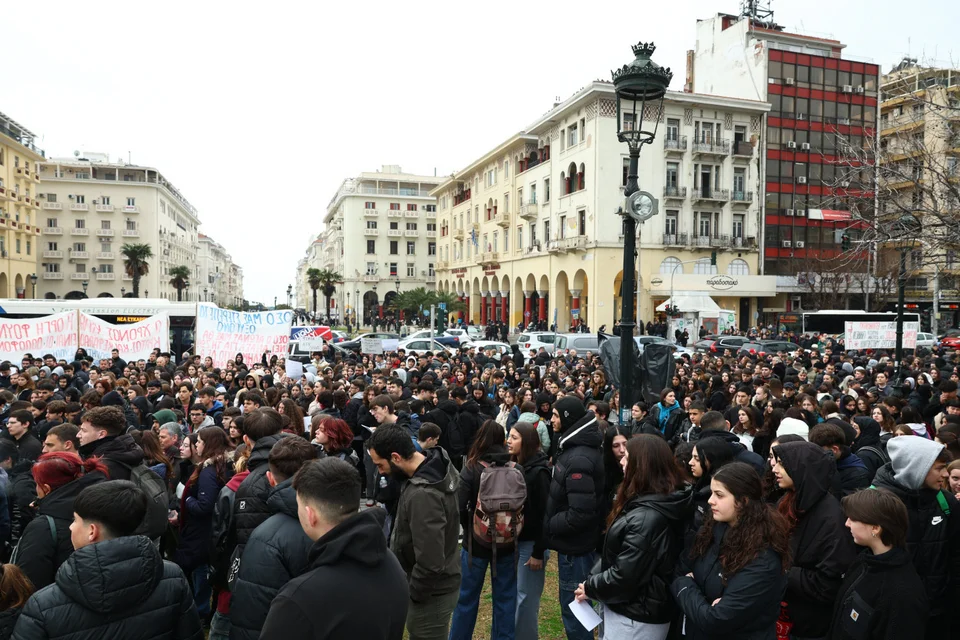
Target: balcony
x: 431, y: 278
x: 53, y: 206
x: 373, y: 213
x: 675, y: 239
x: 675, y: 145
x: 533, y: 249
x: 106, y: 276
x: 394, y: 213
x: 430, y: 214
x: 710, y: 195
x: 431, y: 234
x: 742, y: 150
x: 738, y: 242
x: 105, y: 233
x: 371, y: 232
x: 576, y: 243
x: 528, y: 211
x: 52, y: 275
x: 489, y: 257
x: 721, y: 241
x: 502, y: 219
x: 395, y: 233
x: 371, y: 278
x: 131, y: 208
x: 53, y: 254
x: 703, y: 241
x: 80, y: 255
x: 53, y: 231
x: 106, y: 255
x: 79, y: 231
x: 674, y: 193
x: 741, y: 197
x: 458, y: 234
x: 411, y: 214
x: 79, y: 206
x: 411, y: 233
x: 442, y: 265
x: 131, y: 233
x: 706, y: 147
x: 104, y: 208
x: 80, y: 275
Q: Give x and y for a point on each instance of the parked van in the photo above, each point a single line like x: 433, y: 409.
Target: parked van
x: 584, y: 343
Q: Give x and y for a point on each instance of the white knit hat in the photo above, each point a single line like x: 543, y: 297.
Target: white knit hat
x: 793, y: 426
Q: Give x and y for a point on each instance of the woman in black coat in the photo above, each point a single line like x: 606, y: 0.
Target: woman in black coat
x: 736, y: 568
x: 708, y: 456
x: 882, y: 597
x: 643, y: 542
x: 821, y: 549
x: 45, y: 542
x: 15, y: 590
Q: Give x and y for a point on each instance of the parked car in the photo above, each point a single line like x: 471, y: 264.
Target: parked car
x: 951, y: 339
x: 583, y: 343
x: 339, y: 336
x: 534, y: 340
x: 466, y: 333
x: 354, y: 345
x: 926, y: 341
x: 423, y: 344
x: 444, y: 339
x: 501, y: 348
x: 763, y: 347
x: 717, y: 344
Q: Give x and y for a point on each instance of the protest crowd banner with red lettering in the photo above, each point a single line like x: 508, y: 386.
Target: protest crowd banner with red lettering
x: 133, y: 341
x: 222, y: 333
x: 56, y: 335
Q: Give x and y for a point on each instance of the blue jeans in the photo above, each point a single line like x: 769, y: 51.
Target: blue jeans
x: 202, y: 592
x: 473, y: 571
x: 573, y: 570
x: 529, y: 590
x: 219, y: 627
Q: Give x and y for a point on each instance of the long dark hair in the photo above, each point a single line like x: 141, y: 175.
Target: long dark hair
x: 651, y: 469
x: 215, y: 448
x: 152, y: 450
x: 714, y: 453
x: 489, y: 436
x: 758, y: 525
x: 612, y: 469
x: 529, y: 441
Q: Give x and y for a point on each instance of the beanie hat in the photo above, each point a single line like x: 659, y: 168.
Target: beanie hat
x: 793, y: 426
x: 571, y: 410
x: 164, y: 416
x: 112, y: 399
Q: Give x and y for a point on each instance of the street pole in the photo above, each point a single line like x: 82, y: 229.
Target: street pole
x: 935, y: 315
x: 901, y: 290
x: 627, y: 394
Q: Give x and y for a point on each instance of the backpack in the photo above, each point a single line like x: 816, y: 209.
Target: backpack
x: 458, y: 442
x: 154, y: 523
x: 498, y: 512
x: 880, y: 451
x: 222, y: 539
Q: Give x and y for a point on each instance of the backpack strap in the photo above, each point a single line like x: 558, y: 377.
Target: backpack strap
x: 53, y: 528
x: 942, y: 499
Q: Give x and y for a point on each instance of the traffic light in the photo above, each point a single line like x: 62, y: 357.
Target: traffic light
x: 713, y: 258
x: 845, y: 242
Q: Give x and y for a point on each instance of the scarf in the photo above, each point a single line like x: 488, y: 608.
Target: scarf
x: 665, y: 414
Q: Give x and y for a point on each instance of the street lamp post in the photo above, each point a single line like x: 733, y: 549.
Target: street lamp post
x: 908, y: 229
x: 640, y: 87
x: 290, y: 295
x: 123, y: 292
x: 85, y: 283
x: 205, y: 294
x: 33, y: 281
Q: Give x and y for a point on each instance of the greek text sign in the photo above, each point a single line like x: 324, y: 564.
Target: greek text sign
x: 55, y: 334
x: 222, y: 333
x: 133, y: 341
x: 878, y: 335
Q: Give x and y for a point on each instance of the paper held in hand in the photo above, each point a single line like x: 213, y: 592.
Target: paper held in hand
x: 585, y: 614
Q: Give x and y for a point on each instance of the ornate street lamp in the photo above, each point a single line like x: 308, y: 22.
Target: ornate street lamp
x: 398, y: 284
x: 85, y: 283
x: 906, y: 232
x: 123, y: 292
x: 640, y: 87
x: 33, y: 280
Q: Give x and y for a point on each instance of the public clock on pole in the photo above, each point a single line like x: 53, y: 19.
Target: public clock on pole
x: 642, y: 206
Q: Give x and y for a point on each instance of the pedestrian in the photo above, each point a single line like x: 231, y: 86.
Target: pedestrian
x: 426, y: 528
x: 15, y: 590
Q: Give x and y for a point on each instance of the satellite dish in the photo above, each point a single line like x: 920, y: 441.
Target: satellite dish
x: 76, y: 154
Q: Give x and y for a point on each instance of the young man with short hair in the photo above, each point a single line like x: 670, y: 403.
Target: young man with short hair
x: 429, y: 436
x: 198, y: 418
x: 19, y: 430
x: 212, y: 406
x: 852, y: 474
x: 102, y: 434
x: 425, y: 529
x: 62, y: 437
x: 115, y: 584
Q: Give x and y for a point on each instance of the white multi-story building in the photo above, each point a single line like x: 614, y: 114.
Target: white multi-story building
x: 220, y: 280
x: 312, y: 259
x: 381, y: 236
x: 531, y: 229
x: 90, y: 208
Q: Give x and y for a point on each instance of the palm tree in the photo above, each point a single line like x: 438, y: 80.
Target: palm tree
x: 313, y: 279
x: 451, y: 300
x: 135, y: 258
x: 180, y: 279
x: 328, y: 281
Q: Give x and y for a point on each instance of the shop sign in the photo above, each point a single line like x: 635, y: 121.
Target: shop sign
x: 656, y: 281
x: 722, y: 282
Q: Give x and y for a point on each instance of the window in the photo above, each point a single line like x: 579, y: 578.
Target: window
x: 105, y: 247
x: 411, y: 207
x: 671, y: 265
x: 432, y: 208
x: 533, y: 233
x: 738, y: 226
x: 369, y: 205
x: 506, y: 169
x: 506, y: 203
x: 104, y: 224
x: 411, y: 248
x: 371, y: 246
x: 103, y: 199
x: 411, y: 271
x: 582, y: 222
x: 572, y: 135
x: 562, y: 233
x: 430, y: 271
x: 546, y: 230
x: 51, y: 246
x: 738, y: 267
x: 431, y: 248
x: 81, y: 199
x: 519, y: 237
x: 431, y: 226
x: 131, y: 225
x: 411, y: 226
x: 52, y: 222
x: 533, y: 194
x: 28, y: 247
x: 491, y: 177
x: 53, y: 267
x: 394, y: 247
x: 393, y: 269
x: 625, y: 173
x: 394, y: 226
x: 546, y: 189
x: 371, y: 224
x: 703, y: 224
x: 394, y: 206
x: 18, y: 245
x: 81, y: 267
x: 916, y: 259
x: 673, y: 129
x: 106, y: 268
x: 670, y: 223
x: 80, y: 224
x: 131, y: 202
x: 496, y: 241
x: 506, y: 241
x: 673, y: 175
x: 739, y: 183
x: 703, y: 267
x: 82, y: 175
x: 371, y: 268
x: 79, y: 246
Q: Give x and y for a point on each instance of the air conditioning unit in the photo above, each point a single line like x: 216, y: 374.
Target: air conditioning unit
x: 70, y: 196
x: 844, y: 184
x: 860, y: 89
x: 799, y: 244
x: 801, y: 179
x: 791, y: 145
x: 801, y: 116
x: 787, y: 244
x: 848, y: 88
x: 805, y: 146
x: 790, y: 81
x: 801, y: 213
x: 788, y: 212
x: 843, y: 120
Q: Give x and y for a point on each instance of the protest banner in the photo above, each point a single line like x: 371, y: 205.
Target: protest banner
x: 310, y: 338
x: 878, y: 335
x: 294, y: 370
x: 133, y: 341
x: 371, y: 346
x: 54, y: 334
x: 222, y: 333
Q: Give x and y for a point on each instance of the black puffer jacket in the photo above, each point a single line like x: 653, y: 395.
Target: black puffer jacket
x: 442, y: 416
x: 821, y: 546
x: 749, y: 599
x: 869, y: 447
x: 572, y: 523
x: 470, y: 419
x: 277, y: 552
x: 536, y: 473
x: 119, y: 453
x: 118, y: 588
x: 934, y: 545
x: 881, y: 598
x: 640, y: 552
x: 8, y: 620
x: 21, y: 493
x: 38, y: 554
x: 250, y: 503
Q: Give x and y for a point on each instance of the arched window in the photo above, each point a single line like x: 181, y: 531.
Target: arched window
x: 564, y: 183
x: 669, y: 264
x: 571, y: 178
x: 581, y: 177
x: 703, y: 267
x: 738, y: 267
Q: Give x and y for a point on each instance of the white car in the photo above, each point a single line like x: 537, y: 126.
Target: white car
x: 926, y: 340
x: 500, y: 348
x: 422, y: 345
x: 534, y: 340
x: 468, y: 332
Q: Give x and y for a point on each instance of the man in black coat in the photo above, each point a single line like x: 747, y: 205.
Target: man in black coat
x: 713, y: 425
x: 468, y: 415
x: 19, y: 429
x: 574, y: 505
x: 115, y: 585
x: 852, y: 474
x: 102, y: 434
x: 350, y: 554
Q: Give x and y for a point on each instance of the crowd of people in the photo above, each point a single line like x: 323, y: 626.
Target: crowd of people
x: 795, y: 495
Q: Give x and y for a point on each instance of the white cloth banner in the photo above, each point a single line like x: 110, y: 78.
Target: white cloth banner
x: 222, y: 334
x: 133, y: 341
x: 878, y: 335
x: 55, y: 334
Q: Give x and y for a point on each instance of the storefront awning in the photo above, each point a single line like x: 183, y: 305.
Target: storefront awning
x: 692, y: 303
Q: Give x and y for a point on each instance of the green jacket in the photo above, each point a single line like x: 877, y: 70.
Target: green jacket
x: 427, y: 526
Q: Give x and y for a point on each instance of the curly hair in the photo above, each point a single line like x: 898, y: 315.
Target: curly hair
x: 758, y: 525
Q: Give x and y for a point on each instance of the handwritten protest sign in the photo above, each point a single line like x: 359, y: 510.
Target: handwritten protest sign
x: 310, y: 338
x: 878, y: 335
x: 371, y: 345
x: 133, y: 341
x: 55, y: 334
x: 222, y: 334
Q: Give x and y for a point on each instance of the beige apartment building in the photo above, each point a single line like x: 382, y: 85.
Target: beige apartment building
x: 220, y: 279
x: 19, y: 209
x: 530, y: 230
x: 90, y: 208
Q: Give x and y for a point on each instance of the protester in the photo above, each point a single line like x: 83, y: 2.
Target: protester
x: 15, y: 590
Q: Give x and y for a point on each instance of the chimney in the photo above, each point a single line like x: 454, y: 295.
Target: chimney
x: 688, y: 83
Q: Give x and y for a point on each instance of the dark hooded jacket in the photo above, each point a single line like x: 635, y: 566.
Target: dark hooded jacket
x: 640, y: 552
x: 352, y: 567
x: 740, y: 452
x: 277, y: 552
x: 119, y: 453
x: 852, y: 473
x: 536, y: 473
x: 8, y: 620
x: 869, y: 447
x: 572, y: 523
x: 21, y: 493
x: 41, y: 550
x: 427, y: 527
x: 881, y: 598
x: 444, y: 413
x: 118, y: 588
x: 470, y: 418
x: 821, y: 547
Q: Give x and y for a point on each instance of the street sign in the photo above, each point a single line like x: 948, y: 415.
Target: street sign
x: 442, y: 306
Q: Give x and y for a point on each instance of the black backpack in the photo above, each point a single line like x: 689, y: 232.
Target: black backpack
x: 154, y: 523
x: 456, y: 437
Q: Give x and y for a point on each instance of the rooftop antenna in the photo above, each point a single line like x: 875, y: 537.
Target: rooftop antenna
x: 759, y: 11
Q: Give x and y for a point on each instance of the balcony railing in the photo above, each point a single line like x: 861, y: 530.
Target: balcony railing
x: 458, y: 233
x: 720, y: 241
x: 703, y: 241
x: 711, y: 147
x: 53, y: 231
x: 106, y: 276
x: 411, y: 214
x: 675, y: 239
x: 411, y: 233
x: 675, y: 193
x: 716, y: 195
x: 430, y: 214
x: 528, y: 210
x: 489, y: 256
x: 52, y: 275
x: 79, y: 231
x: 740, y: 242
x: 394, y: 213
x: 533, y: 249
x: 55, y: 206
x: 79, y: 206
x: 395, y: 233
x: 443, y: 265
x: 53, y: 254
x: 676, y: 144
x: 431, y: 234
x: 371, y: 212
x: 106, y: 255
x: 371, y: 232
x: 105, y: 233
x: 131, y: 233
x: 431, y: 278
x: 742, y: 149
x: 502, y: 219
x: 80, y: 255
x: 80, y: 275
x: 105, y: 208
x: 741, y: 197
x: 371, y: 278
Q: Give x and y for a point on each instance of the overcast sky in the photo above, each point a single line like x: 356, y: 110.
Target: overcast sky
x: 257, y: 111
